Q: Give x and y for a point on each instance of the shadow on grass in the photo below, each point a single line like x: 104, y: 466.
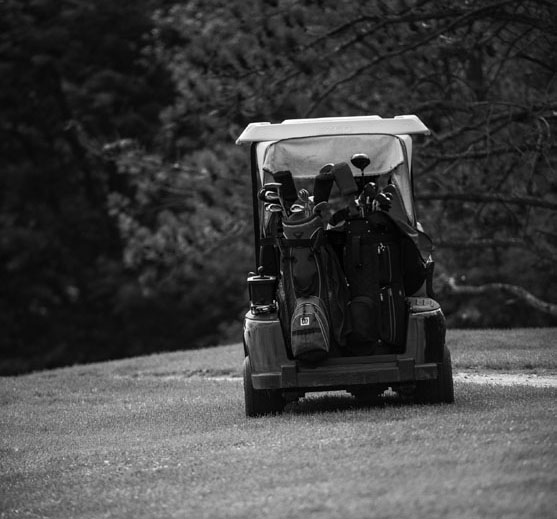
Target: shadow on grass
x: 341, y: 401
x: 470, y: 400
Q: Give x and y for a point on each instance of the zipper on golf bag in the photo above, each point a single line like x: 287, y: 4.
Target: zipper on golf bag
x: 388, y: 315
x: 392, y: 308
x: 384, y: 264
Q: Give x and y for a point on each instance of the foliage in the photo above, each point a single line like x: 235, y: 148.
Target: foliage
x: 482, y: 77
x: 73, y: 75
x: 188, y: 235
x: 125, y: 207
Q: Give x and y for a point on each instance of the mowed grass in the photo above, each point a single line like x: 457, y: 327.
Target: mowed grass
x: 522, y: 349
x: 166, y: 436
x: 532, y: 350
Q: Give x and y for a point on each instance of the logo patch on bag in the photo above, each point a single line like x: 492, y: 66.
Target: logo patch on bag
x: 304, y: 321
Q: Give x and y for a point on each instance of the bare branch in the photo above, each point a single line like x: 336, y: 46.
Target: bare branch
x: 537, y: 61
x: 520, y: 114
x: 472, y: 154
x: 543, y: 133
x: 380, y: 20
x: 480, y: 243
x: 524, y: 201
x: 456, y: 19
x: 521, y: 293
x: 411, y: 14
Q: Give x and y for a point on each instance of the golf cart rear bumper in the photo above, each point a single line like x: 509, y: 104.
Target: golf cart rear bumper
x: 341, y: 373
x: 273, y: 369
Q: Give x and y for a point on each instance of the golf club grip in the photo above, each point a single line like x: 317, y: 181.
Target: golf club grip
x: 288, y: 191
x: 344, y: 179
x: 322, y: 187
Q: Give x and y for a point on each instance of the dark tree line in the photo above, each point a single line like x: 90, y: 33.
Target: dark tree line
x: 74, y: 75
x: 125, y: 214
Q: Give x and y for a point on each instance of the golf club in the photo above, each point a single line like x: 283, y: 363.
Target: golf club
x: 296, y: 209
x: 273, y: 208
x: 303, y: 195
x: 366, y: 197
x: 323, y: 211
x: 276, y: 187
x: 360, y: 161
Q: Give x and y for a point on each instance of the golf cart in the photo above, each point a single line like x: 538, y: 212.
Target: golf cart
x: 342, y: 298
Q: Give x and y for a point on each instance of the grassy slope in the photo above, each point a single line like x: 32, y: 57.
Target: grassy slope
x: 527, y: 349
x: 154, y: 437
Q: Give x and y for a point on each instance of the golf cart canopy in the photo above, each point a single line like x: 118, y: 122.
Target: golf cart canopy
x: 294, y: 128
x: 303, y: 146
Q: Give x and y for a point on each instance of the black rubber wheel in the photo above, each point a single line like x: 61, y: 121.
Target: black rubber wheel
x: 441, y: 389
x: 260, y: 401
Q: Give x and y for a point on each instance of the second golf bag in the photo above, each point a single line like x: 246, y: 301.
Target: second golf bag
x: 313, y: 290
x: 372, y: 263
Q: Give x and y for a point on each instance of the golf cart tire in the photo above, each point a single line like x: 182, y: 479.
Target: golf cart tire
x: 441, y: 389
x: 259, y: 402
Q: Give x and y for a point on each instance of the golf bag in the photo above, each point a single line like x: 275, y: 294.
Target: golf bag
x: 313, y: 292
x: 373, y: 265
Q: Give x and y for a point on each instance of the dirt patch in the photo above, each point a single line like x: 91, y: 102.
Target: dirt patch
x: 507, y: 379
x: 496, y: 379
x: 165, y: 375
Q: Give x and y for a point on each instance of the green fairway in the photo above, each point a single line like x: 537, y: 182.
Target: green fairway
x: 166, y: 436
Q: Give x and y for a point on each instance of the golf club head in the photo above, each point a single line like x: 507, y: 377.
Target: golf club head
x: 365, y: 200
x: 273, y: 208
x: 276, y: 187
x: 303, y: 195
x: 266, y: 195
x: 384, y: 201
x: 321, y: 209
x: 360, y: 161
x: 272, y: 186
x: 370, y: 191
x: 271, y: 196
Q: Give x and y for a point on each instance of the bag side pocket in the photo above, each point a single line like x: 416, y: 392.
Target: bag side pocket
x: 309, y: 330
x: 363, y: 314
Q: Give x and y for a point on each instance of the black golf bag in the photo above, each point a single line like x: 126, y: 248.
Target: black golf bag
x: 372, y: 260
x: 312, y: 292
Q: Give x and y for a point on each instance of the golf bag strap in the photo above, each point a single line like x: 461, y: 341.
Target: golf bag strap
x: 306, y: 243
x: 356, y: 249
x: 314, y: 243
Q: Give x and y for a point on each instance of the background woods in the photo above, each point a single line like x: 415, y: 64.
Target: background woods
x: 125, y: 211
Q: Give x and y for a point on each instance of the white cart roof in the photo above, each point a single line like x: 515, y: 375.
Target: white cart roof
x: 296, y: 128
